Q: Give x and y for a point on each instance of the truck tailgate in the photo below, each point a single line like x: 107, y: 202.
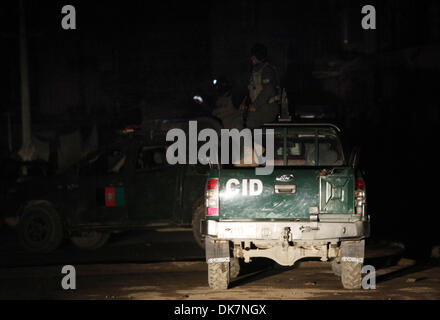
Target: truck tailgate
x: 286, y: 194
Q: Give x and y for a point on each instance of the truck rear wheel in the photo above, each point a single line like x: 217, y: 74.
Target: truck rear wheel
x: 234, y: 268
x: 197, y: 215
x: 218, y: 275
x: 336, y: 267
x: 351, y: 275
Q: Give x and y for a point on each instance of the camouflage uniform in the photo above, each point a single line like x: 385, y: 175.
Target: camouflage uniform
x: 263, y: 92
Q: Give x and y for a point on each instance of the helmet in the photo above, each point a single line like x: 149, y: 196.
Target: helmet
x: 259, y: 51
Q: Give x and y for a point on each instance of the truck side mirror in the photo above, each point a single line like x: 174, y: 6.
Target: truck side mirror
x: 354, y: 157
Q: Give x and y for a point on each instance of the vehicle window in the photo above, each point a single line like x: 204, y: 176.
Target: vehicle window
x: 110, y: 162
x: 297, y: 147
x: 307, y: 147
x: 150, y: 158
x: 115, y: 161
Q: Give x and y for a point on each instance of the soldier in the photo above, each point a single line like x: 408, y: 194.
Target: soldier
x: 263, y: 90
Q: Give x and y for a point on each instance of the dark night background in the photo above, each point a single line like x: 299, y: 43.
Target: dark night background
x: 131, y: 56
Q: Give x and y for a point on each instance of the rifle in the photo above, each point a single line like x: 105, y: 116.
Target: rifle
x: 244, y: 111
x: 284, y: 115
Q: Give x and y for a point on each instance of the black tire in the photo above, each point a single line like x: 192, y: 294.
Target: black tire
x: 351, y: 275
x: 336, y: 267
x: 40, y: 228
x: 197, y: 215
x: 90, y: 240
x: 234, y: 268
x: 218, y: 275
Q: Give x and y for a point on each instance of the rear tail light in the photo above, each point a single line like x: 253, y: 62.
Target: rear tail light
x: 359, y: 184
x: 360, y: 198
x: 212, y: 197
x: 212, y: 184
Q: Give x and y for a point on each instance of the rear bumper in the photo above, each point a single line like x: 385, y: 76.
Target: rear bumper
x: 268, y: 230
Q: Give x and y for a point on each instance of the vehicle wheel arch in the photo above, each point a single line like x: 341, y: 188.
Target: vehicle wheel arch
x: 46, y: 203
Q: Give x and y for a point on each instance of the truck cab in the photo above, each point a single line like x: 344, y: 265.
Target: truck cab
x: 313, y: 204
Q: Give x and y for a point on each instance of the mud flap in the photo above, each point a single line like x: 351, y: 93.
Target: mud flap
x: 353, y: 251
x: 216, y: 251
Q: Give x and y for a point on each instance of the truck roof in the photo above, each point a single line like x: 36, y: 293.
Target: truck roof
x: 299, y: 124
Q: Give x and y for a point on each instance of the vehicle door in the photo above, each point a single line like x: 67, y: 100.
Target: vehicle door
x: 154, y: 186
x: 112, y: 184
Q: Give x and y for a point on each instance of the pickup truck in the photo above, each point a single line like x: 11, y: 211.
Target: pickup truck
x: 313, y: 204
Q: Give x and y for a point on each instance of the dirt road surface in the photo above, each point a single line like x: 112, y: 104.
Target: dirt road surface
x: 137, y: 274
x: 187, y: 280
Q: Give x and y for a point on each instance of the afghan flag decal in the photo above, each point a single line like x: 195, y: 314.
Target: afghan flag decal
x: 114, y: 196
